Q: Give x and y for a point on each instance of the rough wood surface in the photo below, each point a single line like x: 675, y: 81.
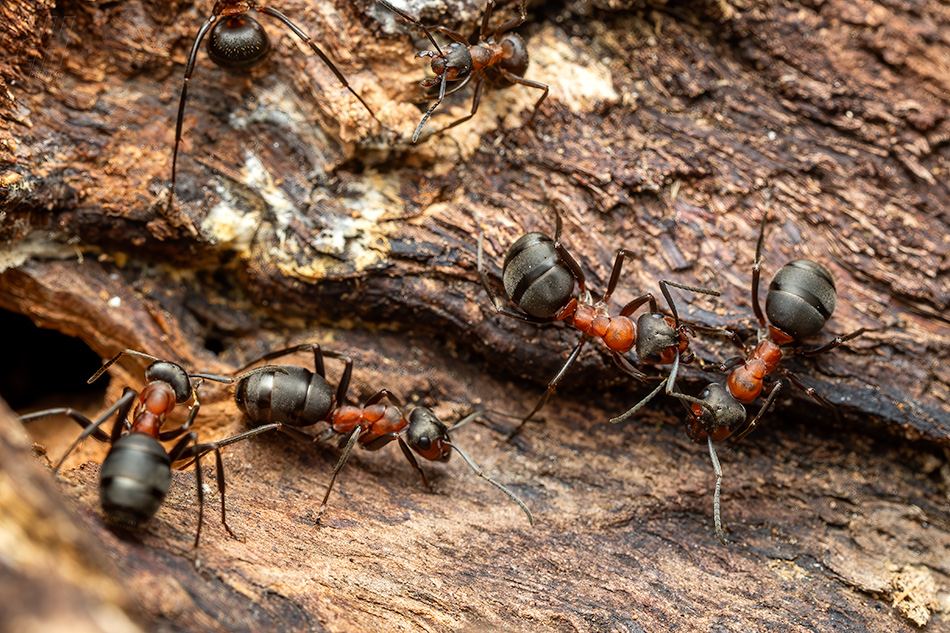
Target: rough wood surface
x: 297, y: 219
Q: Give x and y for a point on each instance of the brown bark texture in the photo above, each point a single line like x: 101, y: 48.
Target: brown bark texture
x: 298, y: 219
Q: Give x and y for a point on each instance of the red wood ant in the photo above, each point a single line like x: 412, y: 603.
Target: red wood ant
x: 800, y: 300
x: 539, y: 276
x: 498, y: 55
x: 136, y: 474
x: 299, y: 398
x: 239, y: 42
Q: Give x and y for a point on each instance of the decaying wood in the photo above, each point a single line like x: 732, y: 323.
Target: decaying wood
x: 297, y: 220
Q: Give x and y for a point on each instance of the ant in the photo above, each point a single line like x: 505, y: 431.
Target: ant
x: 299, y: 398
x: 800, y: 300
x: 500, y: 56
x: 239, y: 42
x: 539, y: 275
x: 136, y: 474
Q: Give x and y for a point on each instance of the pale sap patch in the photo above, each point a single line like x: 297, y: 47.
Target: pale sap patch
x: 576, y: 80
x: 15, y: 255
x: 360, y: 236
x: 228, y: 226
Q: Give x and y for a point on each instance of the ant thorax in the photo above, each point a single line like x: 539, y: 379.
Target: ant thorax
x: 486, y: 54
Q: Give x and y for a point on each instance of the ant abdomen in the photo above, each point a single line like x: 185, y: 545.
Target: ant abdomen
x: 801, y: 298
x: 298, y: 397
x: 514, y: 55
x: 134, y: 479
x: 238, y: 42
x: 535, y: 278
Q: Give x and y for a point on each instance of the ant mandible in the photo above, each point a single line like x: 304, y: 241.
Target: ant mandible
x: 498, y: 55
x: 239, y: 42
x: 136, y: 474
x: 539, y: 275
x: 800, y: 300
x: 299, y: 398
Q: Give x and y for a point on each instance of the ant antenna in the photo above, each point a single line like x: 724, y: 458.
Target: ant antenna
x: 481, y: 473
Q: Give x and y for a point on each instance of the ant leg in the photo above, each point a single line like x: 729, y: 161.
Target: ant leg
x: 513, y: 23
x: 412, y: 462
x: 379, y: 395
x: 634, y: 305
x: 717, y: 518
x: 757, y: 265
x: 350, y: 443
x: 515, y: 79
x: 833, y: 343
x: 486, y: 16
x: 476, y: 99
x: 773, y: 393
x: 615, y: 272
x: 810, y: 391
x: 197, y: 450
x: 550, y: 389
x: 318, y: 363
x: 409, y: 18
x: 176, y: 453
x: 452, y: 35
x: 727, y: 333
x: 189, y: 69
x: 566, y: 256
x: 326, y: 60
x: 72, y: 414
x: 121, y: 408
x: 192, y: 414
x: 438, y: 102
x: 481, y: 473
x: 627, y: 367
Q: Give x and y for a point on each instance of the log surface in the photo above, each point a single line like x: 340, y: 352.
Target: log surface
x: 298, y: 219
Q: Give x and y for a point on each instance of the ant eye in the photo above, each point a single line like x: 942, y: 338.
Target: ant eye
x: 424, y: 443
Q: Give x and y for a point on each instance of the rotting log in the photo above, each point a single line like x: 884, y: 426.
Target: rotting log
x: 296, y: 220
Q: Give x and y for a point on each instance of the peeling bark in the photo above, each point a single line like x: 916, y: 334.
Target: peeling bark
x: 296, y: 219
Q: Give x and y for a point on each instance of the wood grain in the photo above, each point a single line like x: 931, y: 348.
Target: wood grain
x: 297, y: 219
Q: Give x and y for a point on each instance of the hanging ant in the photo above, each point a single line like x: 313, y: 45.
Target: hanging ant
x: 498, y: 55
x: 299, y: 398
x: 539, y: 275
x: 239, y: 42
x: 136, y: 474
x: 800, y: 300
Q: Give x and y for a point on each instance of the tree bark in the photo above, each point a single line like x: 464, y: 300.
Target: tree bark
x: 298, y: 219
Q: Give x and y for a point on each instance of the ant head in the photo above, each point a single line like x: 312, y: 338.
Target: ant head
x: 657, y: 341
x: 728, y: 417
x: 801, y: 298
x: 427, y: 435
x: 173, y: 375
x: 454, y: 64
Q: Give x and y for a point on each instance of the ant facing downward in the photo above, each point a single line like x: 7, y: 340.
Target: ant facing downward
x: 136, y: 474
x: 498, y: 55
x: 298, y: 398
x: 800, y: 300
x: 238, y: 42
x: 540, y: 275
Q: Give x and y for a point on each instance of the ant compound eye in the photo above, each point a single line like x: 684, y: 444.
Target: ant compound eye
x: 423, y: 443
